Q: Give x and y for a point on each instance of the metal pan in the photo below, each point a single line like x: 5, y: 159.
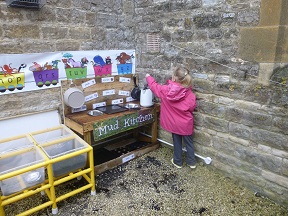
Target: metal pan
x: 94, y: 113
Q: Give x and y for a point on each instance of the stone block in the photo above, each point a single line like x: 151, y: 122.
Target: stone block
x: 278, y: 179
x: 216, y: 124
x: 257, y: 119
x: 30, y: 46
x: 50, y: 32
x: 265, y: 72
x: 258, y: 43
x: 246, y: 105
x: 282, y: 154
x: 183, y: 36
x: 259, y: 159
x: 77, y: 15
x: 25, y: 31
x: 198, y: 119
x: 68, y: 45
x: 91, y: 18
x: 202, y: 138
x: 215, y: 34
x: 281, y: 124
x: 270, y: 13
x: 280, y: 97
x: 239, y: 130
x: 257, y: 94
x: 11, y: 47
x: 226, y: 101
x: 210, y: 3
x: 107, y: 20
x: 212, y: 109
x: 234, y: 114
x: 204, y: 86
x: 274, y: 140
x: 282, y: 44
x: 79, y: 33
x: 228, y: 88
x: 207, y: 20
x: 224, y: 145
x: 241, y: 169
x: 239, y: 140
x: 46, y: 13
x: 63, y: 15
x: 285, y: 167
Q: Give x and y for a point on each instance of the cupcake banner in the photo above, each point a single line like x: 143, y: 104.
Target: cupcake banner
x: 35, y: 71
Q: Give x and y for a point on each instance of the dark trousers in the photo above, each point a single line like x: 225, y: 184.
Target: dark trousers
x: 188, y: 141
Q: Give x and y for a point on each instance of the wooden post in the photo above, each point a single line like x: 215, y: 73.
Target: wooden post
x: 87, y: 137
x: 154, y: 129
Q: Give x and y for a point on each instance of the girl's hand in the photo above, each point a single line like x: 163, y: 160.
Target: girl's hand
x: 147, y: 75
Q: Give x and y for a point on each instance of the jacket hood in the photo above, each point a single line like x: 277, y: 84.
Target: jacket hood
x: 176, y: 91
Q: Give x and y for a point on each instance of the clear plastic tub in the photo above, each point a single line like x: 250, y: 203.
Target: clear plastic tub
x: 52, y: 134
x: 18, y: 159
x: 58, y: 149
x: 15, y: 143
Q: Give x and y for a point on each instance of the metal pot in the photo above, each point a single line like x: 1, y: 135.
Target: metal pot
x: 74, y: 97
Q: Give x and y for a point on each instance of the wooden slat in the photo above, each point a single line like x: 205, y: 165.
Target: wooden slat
x: 99, y: 87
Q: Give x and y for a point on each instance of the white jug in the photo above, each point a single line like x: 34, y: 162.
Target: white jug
x: 146, y: 98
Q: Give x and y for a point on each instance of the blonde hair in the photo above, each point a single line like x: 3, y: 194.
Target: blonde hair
x: 182, y: 76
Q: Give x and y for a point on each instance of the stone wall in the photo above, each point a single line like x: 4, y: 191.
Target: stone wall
x: 240, y: 123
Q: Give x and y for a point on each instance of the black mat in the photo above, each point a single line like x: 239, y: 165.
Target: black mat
x: 110, y: 109
x: 103, y: 155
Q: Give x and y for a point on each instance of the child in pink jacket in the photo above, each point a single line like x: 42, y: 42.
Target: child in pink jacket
x: 176, y: 112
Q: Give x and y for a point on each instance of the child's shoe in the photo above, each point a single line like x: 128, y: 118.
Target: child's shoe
x: 192, y: 166
x: 177, y: 166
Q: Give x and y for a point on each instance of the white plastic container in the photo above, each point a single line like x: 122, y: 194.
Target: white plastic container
x: 146, y: 98
x: 74, y: 97
x: 18, y: 159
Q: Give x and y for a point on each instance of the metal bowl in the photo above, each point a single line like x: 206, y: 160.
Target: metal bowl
x: 94, y: 113
x: 32, y: 177
x: 132, y: 106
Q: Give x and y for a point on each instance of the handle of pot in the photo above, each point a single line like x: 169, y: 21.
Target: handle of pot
x: 134, y: 80
x: 146, y: 87
x: 72, y: 84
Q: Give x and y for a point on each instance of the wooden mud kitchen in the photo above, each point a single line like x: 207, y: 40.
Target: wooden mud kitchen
x: 112, y: 121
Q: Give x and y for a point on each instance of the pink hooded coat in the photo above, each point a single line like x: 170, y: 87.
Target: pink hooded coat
x: 177, y: 106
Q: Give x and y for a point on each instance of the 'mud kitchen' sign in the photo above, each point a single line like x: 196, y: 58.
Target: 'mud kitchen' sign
x: 122, y: 123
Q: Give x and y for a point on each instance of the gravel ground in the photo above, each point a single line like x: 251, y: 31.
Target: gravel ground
x: 150, y: 185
